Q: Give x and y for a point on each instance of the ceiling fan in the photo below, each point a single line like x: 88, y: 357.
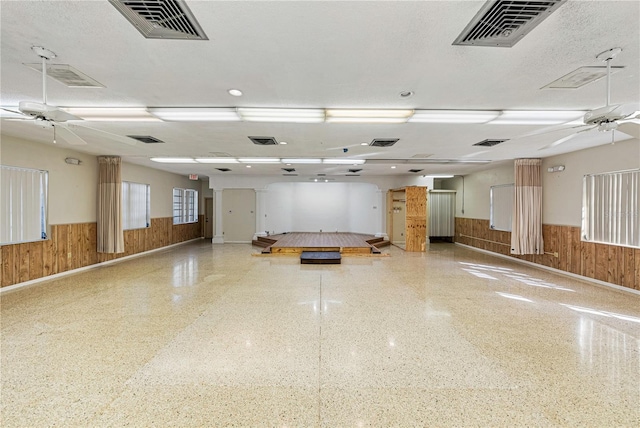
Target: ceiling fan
x: 611, y: 117
x: 50, y: 116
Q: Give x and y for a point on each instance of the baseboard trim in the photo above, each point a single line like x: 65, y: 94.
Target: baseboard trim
x: 554, y: 270
x: 84, y: 268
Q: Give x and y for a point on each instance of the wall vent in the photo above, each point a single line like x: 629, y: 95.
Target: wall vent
x: 67, y: 75
x: 264, y: 141
x: 415, y: 170
x: 288, y: 169
x: 489, y: 142
x: 161, y: 19
x: 223, y: 169
x: 504, y: 23
x: 354, y: 170
x: 383, y: 142
x: 147, y: 139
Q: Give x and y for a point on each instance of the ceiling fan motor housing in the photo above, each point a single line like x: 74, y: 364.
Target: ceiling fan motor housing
x: 604, y: 114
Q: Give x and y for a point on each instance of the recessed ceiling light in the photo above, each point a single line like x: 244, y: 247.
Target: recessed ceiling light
x: 393, y: 167
x: 248, y: 166
x: 288, y: 164
x: 283, y: 142
x: 235, y: 92
x: 406, y: 94
x: 364, y: 144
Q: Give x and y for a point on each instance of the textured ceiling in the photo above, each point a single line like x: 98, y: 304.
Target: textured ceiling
x: 319, y: 54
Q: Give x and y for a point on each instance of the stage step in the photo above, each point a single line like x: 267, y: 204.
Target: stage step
x: 320, y: 258
x: 264, y: 242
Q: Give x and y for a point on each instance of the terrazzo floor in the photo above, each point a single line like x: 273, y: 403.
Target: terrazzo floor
x: 204, y: 335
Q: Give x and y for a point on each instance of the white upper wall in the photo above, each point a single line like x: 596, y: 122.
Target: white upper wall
x: 476, y: 190
x: 561, y: 191
x: 330, y: 207
x: 73, y: 188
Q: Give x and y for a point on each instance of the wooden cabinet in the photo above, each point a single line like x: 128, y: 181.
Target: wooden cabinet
x: 412, y: 201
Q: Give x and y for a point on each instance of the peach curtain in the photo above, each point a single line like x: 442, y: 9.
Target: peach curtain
x: 526, y: 230
x: 110, y: 234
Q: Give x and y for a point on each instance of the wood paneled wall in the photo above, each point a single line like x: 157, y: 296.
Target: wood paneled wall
x: 610, y: 263
x: 71, y: 246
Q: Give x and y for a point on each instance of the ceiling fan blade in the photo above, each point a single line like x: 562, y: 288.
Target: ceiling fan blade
x: 105, y: 134
x: 630, y: 128
x: 12, y: 111
x: 68, y: 135
x: 565, y: 139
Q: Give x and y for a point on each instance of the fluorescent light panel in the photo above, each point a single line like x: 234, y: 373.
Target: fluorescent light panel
x: 195, y: 114
x: 282, y: 115
x: 173, y: 160
x: 259, y: 160
x: 343, y: 161
x: 302, y: 160
x: 536, y: 117
x: 216, y: 160
x: 112, y: 114
x: 367, y: 116
x: 454, y: 116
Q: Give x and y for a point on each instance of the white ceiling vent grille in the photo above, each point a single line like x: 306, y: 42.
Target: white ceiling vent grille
x: 147, y: 139
x: 504, y: 23
x: 383, y: 142
x: 161, y: 19
x: 67, y: 75
x: 489, y: 142
x: 264, y: 141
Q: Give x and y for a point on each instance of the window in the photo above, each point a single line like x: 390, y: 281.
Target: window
x: 185, y: 206
x: 136, y: 205
x: 23, y: 202
x: 610, y: 207
x: 501, y: 207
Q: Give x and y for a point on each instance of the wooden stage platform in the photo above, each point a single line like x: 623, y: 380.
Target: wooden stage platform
x: 343, y: 242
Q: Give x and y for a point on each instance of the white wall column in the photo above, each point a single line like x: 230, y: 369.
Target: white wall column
x: 218, y: 237
x: 261, y: 220
x: 381, y: 208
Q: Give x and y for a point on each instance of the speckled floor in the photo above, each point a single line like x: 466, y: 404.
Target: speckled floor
x: 206, y: 335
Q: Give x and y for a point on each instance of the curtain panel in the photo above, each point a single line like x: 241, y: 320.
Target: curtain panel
x: 109, y: 216
x: 526, y: 230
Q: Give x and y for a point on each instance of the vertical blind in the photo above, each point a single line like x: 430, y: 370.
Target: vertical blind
x: 610, y: 208
x: 185, y: 206
x: 442, y: 213
x: 136, y: 205
x: 23, y: 204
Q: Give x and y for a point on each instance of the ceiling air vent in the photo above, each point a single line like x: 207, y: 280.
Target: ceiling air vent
x: 290, y: 175
x: 161, y: 19
x: 504, y: 23
x: 147, y: 139
x: 322, y: 175
x: 352, y: 175
x: 354, y: 170
x: 288, y: 169
x: 383, y: 142
x: 489, y: 142
x: 68, y: 75
x: 415, y: 170
x: 223, y: 169
x: 264, y: 141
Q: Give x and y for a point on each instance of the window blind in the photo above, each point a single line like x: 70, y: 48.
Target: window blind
x: 610, y: 208
x: 136, y: 205
x: 23, y: 204
x: 501, y: 206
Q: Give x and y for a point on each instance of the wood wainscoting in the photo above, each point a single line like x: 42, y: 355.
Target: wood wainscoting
x: 563, y: 250
x: 72, y: 246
